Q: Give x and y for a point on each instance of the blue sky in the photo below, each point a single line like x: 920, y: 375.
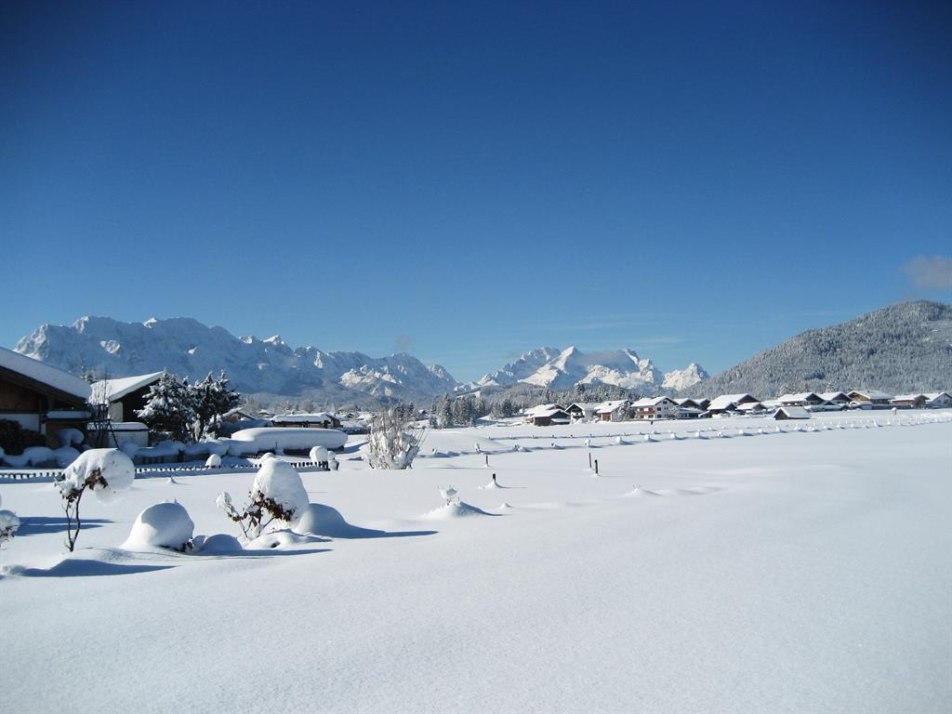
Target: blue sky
x: 469, y: 181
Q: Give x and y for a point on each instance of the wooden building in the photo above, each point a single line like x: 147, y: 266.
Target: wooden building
x: 40, y: 397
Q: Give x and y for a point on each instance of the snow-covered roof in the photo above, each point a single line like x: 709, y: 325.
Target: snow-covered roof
x: 932, y: 396
x: 871, y: 394
x: 546, y: 413
x: 111, y: 390
x: 725, y: 401
x: 830, y: 396
x: 798, y: 397
x: 652, y: 401
x: 908, y: 397
x: 541, y: 409
x: 608, y: 407
x: 44, y: 373
x: 792, y: 412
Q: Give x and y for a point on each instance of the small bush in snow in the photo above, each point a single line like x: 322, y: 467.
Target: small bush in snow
x: 9, y: 523
x: 393, y: 443
x: 102, y: 471
x: 277, y: 494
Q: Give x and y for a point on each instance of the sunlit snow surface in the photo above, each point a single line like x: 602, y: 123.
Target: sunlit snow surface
x: 755, y: 571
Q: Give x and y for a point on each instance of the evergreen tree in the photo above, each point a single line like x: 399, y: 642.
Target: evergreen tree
x: 169, y: 408
x: 211, y: 400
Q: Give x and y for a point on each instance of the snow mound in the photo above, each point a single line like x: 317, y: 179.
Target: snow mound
x: 322, y: 520
x: 164, y: 525
x: 220, y: 544
x: 457, y: 509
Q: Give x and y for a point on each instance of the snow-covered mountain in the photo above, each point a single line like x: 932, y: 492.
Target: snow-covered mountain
x: 905, y: 347
x: 186, y: 347
x: 563, y: 369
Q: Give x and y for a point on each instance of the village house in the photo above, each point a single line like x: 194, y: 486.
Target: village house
x: 802, y: 399
x: 869, y: 398
x: 655, y: 408
x: 729, y: 403
x: 837, y: 399
x: 123, y: 398
x: 547, y: 415
x: 41, y: 398
x: 616, y: 410
x: 938, y: 400
x: 791, y: 412
x: 581, y: 411
x: 909, y: 401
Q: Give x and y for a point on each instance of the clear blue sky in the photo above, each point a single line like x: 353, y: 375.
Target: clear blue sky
x: 468, y: 181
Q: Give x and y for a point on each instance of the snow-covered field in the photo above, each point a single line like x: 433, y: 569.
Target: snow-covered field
x: 754, y: 571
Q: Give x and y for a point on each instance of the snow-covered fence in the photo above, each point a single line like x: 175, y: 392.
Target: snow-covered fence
x: 51, y: 474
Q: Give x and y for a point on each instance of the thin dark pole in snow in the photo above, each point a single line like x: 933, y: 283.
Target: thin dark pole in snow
x: 589, y: 460
x: 596, y: 467
x: 487, y: 461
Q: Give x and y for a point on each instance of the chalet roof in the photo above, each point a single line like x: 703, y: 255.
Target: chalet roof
x: 608, y: 407
x: 908, y: 397
x: 652, y: 401
x: 725, y: 401
x: 870, y: 394
x: 798, y: 397
x: 932, y: 396
x: 43, y: 373
x: 830, y: 396
x: 548, y: 413
x: 793, y: 412
x: 112, y: 390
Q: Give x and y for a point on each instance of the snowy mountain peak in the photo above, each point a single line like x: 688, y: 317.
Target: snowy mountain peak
x: 190, y: 349
x: 564, y: 369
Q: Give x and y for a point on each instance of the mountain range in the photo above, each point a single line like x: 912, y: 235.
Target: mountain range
x: 904, y: 347
x: 270, y: 368
x: 556, y: 369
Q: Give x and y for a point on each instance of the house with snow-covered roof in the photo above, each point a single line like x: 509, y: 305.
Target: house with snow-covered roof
x: 800, y: 399
x: 726, y: 403
x: 654, y: 408
x: 123, y: 397
x: 547, y: 415
x: 938, y: 400
x: 909, y: 401
x: 581, y: 410
x: 869, y: 397
x: 615, y: 410
x: 40, y: 397
x: 791, y: 412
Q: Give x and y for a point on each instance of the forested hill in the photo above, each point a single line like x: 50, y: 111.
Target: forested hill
x: 902, y: 348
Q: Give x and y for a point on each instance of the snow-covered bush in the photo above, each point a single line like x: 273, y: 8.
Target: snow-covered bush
x: 276, y: 494
x: 102, y: 471
x: 164, y: 525
x: 9, y: 523
x: 393, y: 443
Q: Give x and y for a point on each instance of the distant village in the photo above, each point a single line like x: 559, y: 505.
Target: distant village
x: 786, y: 406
